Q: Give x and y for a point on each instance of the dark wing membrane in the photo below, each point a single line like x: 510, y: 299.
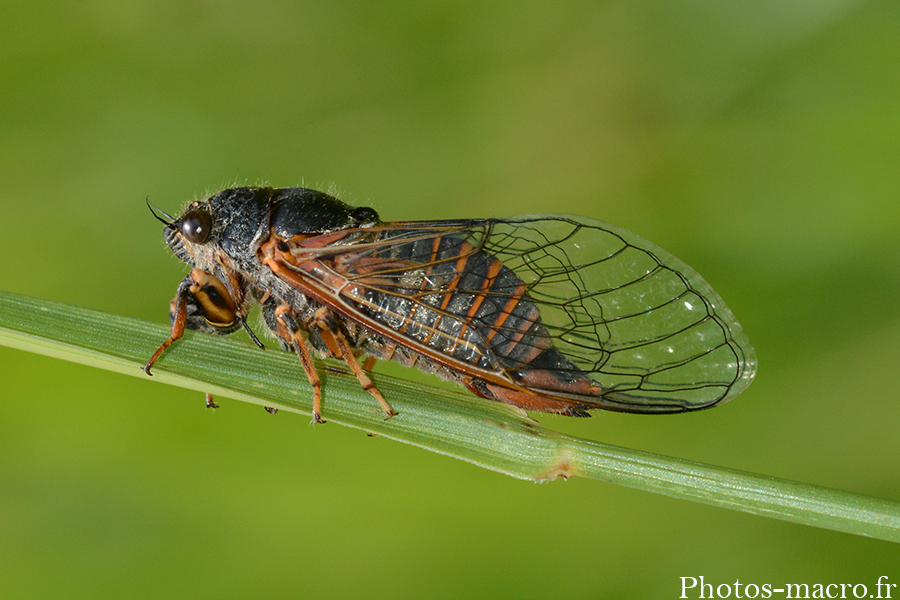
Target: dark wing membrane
x: 565, y: 306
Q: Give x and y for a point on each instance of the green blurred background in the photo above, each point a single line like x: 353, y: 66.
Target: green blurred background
x: 757, y: 141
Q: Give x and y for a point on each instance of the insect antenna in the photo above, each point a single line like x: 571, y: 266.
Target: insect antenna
x: 155, y: 209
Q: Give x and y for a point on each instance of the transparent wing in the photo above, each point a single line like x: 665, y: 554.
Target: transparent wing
x: 646, y: 326
x: 640, y: 329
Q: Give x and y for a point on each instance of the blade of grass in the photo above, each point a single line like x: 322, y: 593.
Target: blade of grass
x: 488, y: 434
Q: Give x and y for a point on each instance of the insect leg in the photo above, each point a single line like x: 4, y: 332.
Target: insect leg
x: 204, y: 303
x: 179, y: 319
x: 338, y: 346
x: 289, y: 331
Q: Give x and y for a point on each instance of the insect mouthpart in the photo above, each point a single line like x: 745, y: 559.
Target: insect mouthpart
x: 175, y: 242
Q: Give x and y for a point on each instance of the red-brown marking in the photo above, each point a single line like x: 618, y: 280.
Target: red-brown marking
x: 521, y: 330
x: 493, y: 270
x: 511, y: 304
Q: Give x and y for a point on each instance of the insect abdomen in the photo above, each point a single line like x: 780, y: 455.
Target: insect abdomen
x: 464, y: 302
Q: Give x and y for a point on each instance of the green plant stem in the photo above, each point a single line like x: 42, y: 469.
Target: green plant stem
x: 488, y: 434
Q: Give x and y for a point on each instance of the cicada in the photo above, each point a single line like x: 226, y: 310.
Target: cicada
x: 552, y: 313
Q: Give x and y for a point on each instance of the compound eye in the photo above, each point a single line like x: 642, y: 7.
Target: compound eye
x: 195, y: 226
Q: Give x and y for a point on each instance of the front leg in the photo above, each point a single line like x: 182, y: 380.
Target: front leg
x: 202, y: 302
